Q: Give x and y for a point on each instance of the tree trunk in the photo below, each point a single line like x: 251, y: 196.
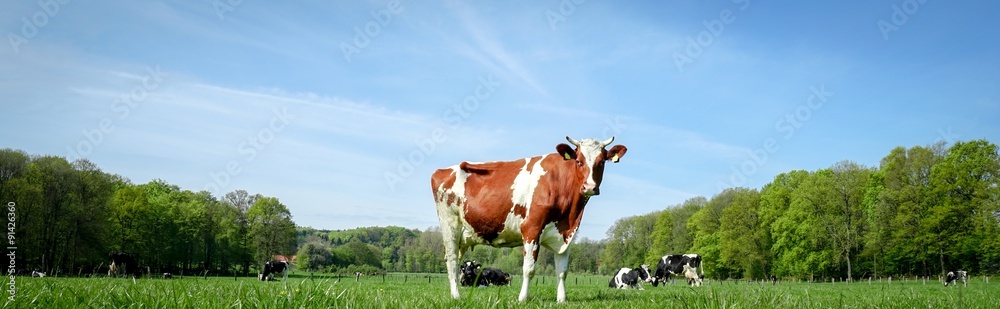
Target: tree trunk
x: 941, y: 255
x: 849, y: 277
x: 875, y: 265
x: 208, y: 254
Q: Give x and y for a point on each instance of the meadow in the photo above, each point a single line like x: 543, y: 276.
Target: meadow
x: 431, y: 291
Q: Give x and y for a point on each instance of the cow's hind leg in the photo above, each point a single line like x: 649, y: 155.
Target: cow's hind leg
x: 451, y: 233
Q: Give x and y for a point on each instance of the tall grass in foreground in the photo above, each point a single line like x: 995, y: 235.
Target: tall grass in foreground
x: 195, y: 292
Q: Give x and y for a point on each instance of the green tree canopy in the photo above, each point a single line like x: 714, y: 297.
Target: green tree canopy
x: 272, y: 231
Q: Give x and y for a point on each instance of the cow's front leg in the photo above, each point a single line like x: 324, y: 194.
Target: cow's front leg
x: 562, y: 263
x: 528, y: 269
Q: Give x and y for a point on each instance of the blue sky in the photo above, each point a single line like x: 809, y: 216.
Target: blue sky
x: 316, y: 102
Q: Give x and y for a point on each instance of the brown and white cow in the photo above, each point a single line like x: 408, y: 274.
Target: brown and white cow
x: 531, y: 202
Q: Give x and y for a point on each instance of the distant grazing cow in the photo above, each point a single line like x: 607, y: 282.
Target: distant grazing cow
x: 686, y: 265
x: 668, y: 265
x: 959, y: 275
x: 630, y: 278
x: 274, y: 267
x: 471, y: 270
x: 122, y: 264
x: 532, y: 202
x: 168, y: 276
x: 37, y: 274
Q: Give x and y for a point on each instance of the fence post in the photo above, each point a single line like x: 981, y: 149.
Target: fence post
x: 404, y: 278
x: 383, y: 278
x: 428, y: 279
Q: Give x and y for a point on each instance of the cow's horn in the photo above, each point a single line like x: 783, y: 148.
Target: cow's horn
x: 607, y: 142
x: 572, y: 141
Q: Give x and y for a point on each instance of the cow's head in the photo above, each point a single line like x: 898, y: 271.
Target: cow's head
x: 590, y: 156
x: 644, y: 273
x: 470, y: 269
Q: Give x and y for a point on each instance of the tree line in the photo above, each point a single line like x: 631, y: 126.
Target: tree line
x: 923, y: 211
x: 397, y: 249
x: 68, y: 217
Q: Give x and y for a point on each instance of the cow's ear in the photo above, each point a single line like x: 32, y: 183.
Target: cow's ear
x: 566, y: 151
x: 616, y: 153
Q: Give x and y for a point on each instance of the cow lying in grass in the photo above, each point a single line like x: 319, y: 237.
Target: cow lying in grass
x: 473, y: 274
x: 630, y: 278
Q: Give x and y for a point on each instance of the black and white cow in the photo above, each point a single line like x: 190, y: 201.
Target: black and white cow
x: 493, y: 276
x: 122, y: 264
x: 630, y: 278
x: 959, y: 275
x: 274, y: 267
x: 686, y: 265
x: 470, y: 269
x: 668, y: 265
x: 37, y: 274
x: 168, y: 276
x: 691, y: 269
x: 486, y: 276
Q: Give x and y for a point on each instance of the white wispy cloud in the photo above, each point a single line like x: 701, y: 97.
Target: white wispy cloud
x: 489, y: 49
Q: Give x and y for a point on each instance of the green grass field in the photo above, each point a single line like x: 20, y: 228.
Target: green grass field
x: 416, y: 292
